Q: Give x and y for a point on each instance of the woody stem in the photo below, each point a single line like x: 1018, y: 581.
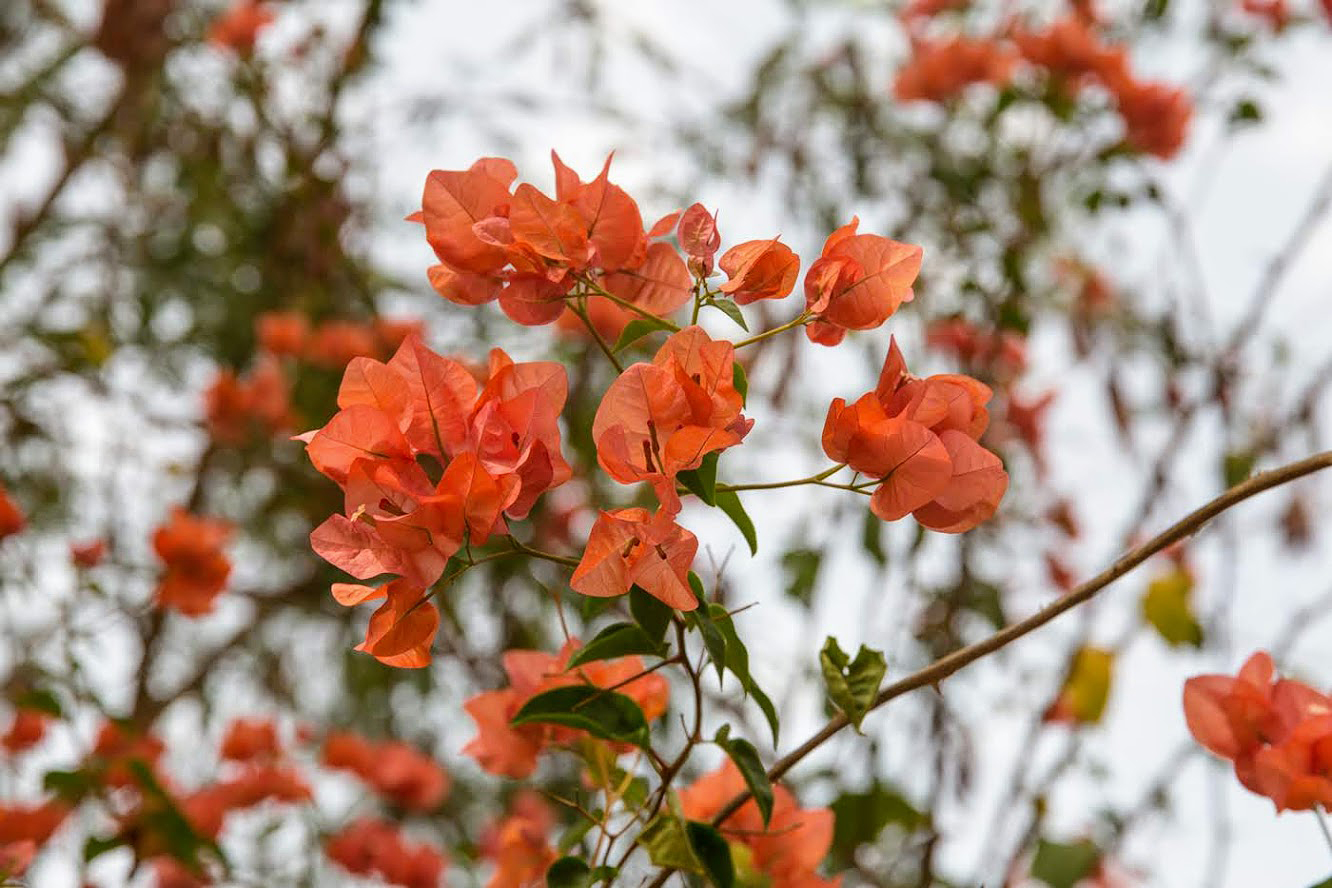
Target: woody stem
x: 800, y: 320
x: 546, y: 556
x: 942, y: 668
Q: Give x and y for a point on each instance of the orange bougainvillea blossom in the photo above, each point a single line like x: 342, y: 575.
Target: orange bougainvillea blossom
x: 786, y: 851
x: 1276, y: 731
x: 196, y: 568
x: 512, y: 750
x: 857, y: 283
x: 660, y: 418
x: 629, y: 547
x: 498, y: 444
x: 920, y: 437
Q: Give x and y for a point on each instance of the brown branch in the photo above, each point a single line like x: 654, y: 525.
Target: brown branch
x: 945, y: 666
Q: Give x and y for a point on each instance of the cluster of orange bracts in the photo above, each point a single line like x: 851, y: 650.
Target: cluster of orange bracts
x: 920, y: 437
x: 1277, y: 731
x: 498, y: 446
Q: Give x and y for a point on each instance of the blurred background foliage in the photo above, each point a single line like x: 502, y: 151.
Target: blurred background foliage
x: 171, y: 189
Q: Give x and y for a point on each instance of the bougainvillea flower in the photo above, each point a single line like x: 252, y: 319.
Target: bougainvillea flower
x: 376, y: 848
x: 31, y: 823
x: 1295, y: 773
x: 116, y: 747
x: 399, y: 772
x: 440, y: 393
x: 282, y: 333
x: 939, y: 70
x: 919, y: 437
x: 659, y: 285
x: 858, y: 282
x: 196, y: 567
x: 333, y: 343
x: 699, y: 238
x: 12, y: 519
x: 759, y: 269
x: 238, y: 28
x: 657, y: 420
x: 25, y: 731
x: 519, y: 845
x: 402, y: 630
x: 787, y: 851
x: 1070, y: 49
x: 512, y: 751
x: 1156, y: 115
x: 630, y: 547
x: 454, y: 202
x: 249, y: 739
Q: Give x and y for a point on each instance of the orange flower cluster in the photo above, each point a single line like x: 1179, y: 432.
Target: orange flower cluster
x: 999, y: 354
x: 235, y: 406
x: 376, y: 848
x: 920, y: 437
x: 332, y: 343
x: 12, y: 519
x: 857, y: 283
x: 196, y: 567
x: 787, y: 852
x: 25, y: 731
x: 519, y: 844
x: 511, y: 751
x: 499, y: 445
x: 238, y: 28
x: 400, y: 773
x: 940, y: 70
x: 24, y: 829
x: 1156, y: 116
x: 1277, y: 732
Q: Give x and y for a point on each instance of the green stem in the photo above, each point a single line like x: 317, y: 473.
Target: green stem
x: 800, y: 320
x: 580, y: 308
x: 773, y: 485
x: 623, y: 303
x: 546, y: 556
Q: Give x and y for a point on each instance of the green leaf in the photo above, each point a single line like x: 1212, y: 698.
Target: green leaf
x: 667, y: 843
x: 1154, y: 10
x: 1064, y: 865
x: 1237, y: 467
x: 740, y: 381
x: 737, y: 660
x: 70, y: 786
x: 852, y: 684
x: 713, y: 851
x: 1326, y: 883
x: 1087, y: 688
x: 802, y: 572
x: 576, y: 830
x: 871, y: 538
x: 732, y: 311
x: 729, y: 502
x: 746, y: 758
x: 701, y: 618
x: 603, y: 714
x: 1166, y: 605
x: 859, y: 817
x: 619, y: 640
x: 95, y: 847
x: 1246, y: 112
x: 636, y: 330
x: 40, y: 700
x: 702, y: 482
x: 568, y: 872
x: 650, y: 612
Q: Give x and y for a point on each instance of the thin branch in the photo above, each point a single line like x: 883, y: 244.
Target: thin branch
x: 945, y: 666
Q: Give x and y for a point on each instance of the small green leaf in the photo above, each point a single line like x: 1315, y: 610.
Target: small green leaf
x: 701, y: 618
x: 702, y: 482
x: 40, y: 700
x: 603, y: 714
x: 713, y: 851
x: 1166, y: 605
x: 619, y: 640
x: 579, y: 828
x: 729, y: 502
x: 1237, y: 467
x: 568, y: 872
x: 732, y: 311
x: 70, y: 786
x: 740, y: 381
x: 871, y: 538
x: 852, y: 684
x: 636, y: 330
x: 650, y: 613
x: 746, y: 759
x: 802, y: 572
x: 1064, y: 865
x: 668, y: 844
x: 95, y: 847
x: 737, y: 660
x: 1086, y: 691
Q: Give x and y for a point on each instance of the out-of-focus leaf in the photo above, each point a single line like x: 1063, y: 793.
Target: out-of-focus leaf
x: 1167, y: 606
x: 860, y: 817
x: 1064, y: 865
x: 802, y: 572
